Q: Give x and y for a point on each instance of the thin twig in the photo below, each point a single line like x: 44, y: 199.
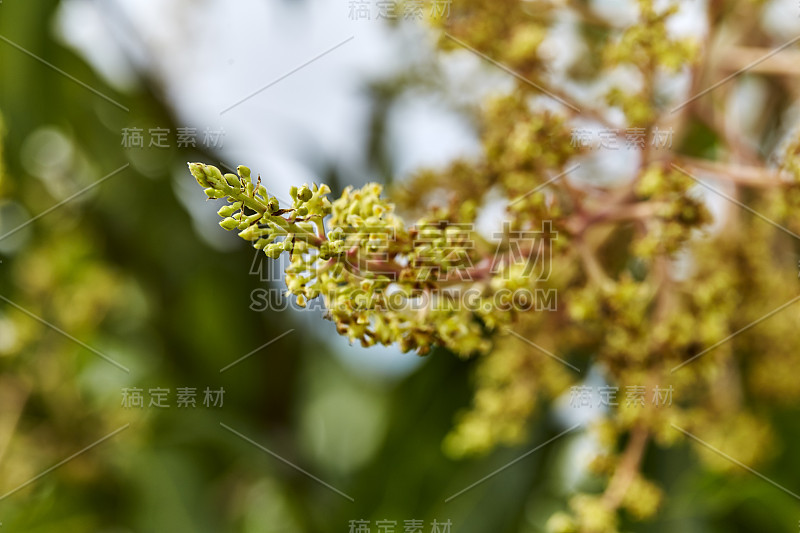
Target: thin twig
x: 627, y: 468
x: 752, y: 176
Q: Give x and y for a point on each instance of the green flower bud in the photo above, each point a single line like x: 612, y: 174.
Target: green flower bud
x: 243, y: 171
x: 250, y: 233
x: 273, y: 250
x: 213, y: 174
x: 324, y: 251
x: 294, y: 284
x: 233, y: 180
x: 229, y: 224
x: 252, y: 219
x: 304, y: 193
x: 226, y: 210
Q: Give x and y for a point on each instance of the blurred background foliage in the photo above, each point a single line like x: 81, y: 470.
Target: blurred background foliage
x: 120, y: 271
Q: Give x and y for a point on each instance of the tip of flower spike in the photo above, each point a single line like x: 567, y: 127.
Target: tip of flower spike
x: 206, y: 175
x: 197, y: 171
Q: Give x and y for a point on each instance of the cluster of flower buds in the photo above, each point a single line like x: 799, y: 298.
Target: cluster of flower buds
x: 258, y: 216
x: 380, y: 280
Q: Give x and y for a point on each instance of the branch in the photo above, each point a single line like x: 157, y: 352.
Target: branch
x: 783, y: 63
x: 751, y: 176
x: 627, y: 468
